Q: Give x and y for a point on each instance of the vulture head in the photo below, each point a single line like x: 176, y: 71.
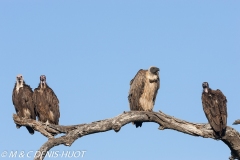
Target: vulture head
x: 205, y: 86
x: 153, y: 70
x: 19, y: 79
x: 43, y: 80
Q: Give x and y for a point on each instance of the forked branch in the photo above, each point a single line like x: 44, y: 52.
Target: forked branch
x: 231, y: 138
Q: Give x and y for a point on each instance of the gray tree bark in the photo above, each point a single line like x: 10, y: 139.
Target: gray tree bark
x: 72, y: 133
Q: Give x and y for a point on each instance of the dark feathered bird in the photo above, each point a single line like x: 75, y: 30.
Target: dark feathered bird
x: 23, y: 102
x: 143, y: 90
x: 215, y: 108
x: 46, y: 102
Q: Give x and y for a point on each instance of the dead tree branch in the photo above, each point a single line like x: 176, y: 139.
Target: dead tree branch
x: 72, y: 133
x: 236, y: 122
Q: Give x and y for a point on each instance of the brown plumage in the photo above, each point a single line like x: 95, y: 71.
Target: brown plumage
x: 143, y: 90
x: 46, y: 102
x: 215, y: 108
x: 23, y: 102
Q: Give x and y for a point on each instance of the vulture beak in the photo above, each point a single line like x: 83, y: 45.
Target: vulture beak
x: 205, y: 85
x: 42, y: 78
x: 154, y: 69
x: 157, y: 69
x: 19, y: 79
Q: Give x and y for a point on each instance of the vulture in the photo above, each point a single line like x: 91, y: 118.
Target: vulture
x: 215, y: 108
x: 143, y: 91
x: 46, y: 102
x: 23, y: 102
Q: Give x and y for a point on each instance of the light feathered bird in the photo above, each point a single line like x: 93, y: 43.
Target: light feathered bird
x: 143, y: 91
x: 23, y: 102
x: 46, y: 102
x: 215, y: 108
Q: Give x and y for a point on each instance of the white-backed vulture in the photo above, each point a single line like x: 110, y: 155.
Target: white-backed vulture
x: 143, y: 91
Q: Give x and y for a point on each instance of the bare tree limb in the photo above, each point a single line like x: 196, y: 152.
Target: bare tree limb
x: 236, y: 122
x: 231, y: 138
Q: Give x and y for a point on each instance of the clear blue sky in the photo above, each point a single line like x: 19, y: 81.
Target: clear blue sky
x: 90, y: 51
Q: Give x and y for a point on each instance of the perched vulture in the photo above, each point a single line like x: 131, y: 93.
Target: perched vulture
x: 143, y: 91
x: 46, y: 102
x: 215, y: 108
x: 23, y: 102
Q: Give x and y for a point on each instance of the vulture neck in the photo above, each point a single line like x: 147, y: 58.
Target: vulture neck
x: 151, y: 76
x: 19, y: 85
x: 206, y: 90
x: 43, y: 84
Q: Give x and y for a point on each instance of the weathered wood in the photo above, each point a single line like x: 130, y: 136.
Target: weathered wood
x: 231, y: 138
x: 236, y: 122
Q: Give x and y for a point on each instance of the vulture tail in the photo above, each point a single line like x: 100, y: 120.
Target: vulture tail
x: 30, y: 130
x: 138, y: 124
